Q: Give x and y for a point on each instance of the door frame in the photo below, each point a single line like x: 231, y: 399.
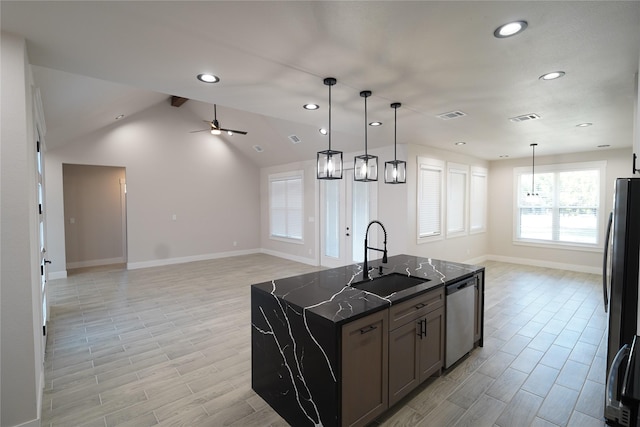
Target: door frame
x: 345, y: 218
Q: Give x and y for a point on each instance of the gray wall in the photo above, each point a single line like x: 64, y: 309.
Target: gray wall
x: 94, y: 215
x: 20, y: 331
x: 211, y: 188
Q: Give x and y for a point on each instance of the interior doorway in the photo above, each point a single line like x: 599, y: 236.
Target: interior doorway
x: 95, y: 213
x: 347, y: 206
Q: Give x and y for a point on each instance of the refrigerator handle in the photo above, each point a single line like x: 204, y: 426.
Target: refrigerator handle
x: 605, y: 262
x: 614, y: 409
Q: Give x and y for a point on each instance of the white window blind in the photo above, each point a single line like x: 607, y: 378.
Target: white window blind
x: 457, y: 199
x: 286, y: 205
x: 478, y: 200
x: 430, y: 183
x: 564, y: 207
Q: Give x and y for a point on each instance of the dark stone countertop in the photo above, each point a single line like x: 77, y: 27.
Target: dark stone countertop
x: 328, y: 293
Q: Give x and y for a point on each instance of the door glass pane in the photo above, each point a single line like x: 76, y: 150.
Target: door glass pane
x: 360, y: 218
x: 332, y: 218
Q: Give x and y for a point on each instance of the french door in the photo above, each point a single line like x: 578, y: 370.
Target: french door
x: 42, y: 234
x: 346, y: 207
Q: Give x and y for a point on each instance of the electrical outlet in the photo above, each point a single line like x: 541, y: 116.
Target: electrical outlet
x: 235, y: 243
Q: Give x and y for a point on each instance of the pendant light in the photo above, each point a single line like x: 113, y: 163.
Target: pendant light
x: 533, y: 172
x: 329, y: 161
x: 365, y: 167
x: 395, y: 171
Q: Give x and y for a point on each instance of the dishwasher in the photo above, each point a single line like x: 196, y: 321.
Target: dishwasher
x: 460, y: 297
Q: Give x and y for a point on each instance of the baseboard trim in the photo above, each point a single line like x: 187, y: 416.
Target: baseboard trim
x: 32, y: 423
x: 308, y: 261
x: 476, y: 261
x: 53, y: 275
x: 546, y: 264
x: 312, y: 261
x: 181, y: 260
x: 95, y: 262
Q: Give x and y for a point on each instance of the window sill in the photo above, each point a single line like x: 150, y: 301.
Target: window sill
x: 287, y: 240
x: 558, y: 245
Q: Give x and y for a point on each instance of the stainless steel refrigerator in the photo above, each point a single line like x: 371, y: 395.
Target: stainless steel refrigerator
x: 621, y: 300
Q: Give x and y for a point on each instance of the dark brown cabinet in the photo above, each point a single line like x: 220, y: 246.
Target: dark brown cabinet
x: 416, y: 342
x: 365, y: 369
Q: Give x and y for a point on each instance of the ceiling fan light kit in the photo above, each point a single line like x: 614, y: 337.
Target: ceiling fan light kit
x: 214, y: 126
x: 395, y: 171
x: 365, y: 167
x: 329, y: 162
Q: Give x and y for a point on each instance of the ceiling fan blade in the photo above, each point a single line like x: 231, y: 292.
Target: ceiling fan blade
x: 240, y: 132
x: 203, y: 130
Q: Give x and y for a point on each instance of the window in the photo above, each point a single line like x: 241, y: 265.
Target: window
x: 430, y: 193
x: 457, y: 199
x: 478, y: 200
x: 286, y: 205
x: 565, y: 207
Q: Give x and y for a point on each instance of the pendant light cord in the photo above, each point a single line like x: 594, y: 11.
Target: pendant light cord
x: 365, y: 125
x: 395, y: 133
x: 330, y: 117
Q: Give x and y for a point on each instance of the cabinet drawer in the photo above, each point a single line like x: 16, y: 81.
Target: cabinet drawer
x: 414, y: 308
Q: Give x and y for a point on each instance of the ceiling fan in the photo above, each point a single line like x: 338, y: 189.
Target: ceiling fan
x: 215, y: 128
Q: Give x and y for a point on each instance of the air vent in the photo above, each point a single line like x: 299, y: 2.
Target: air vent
x: 451, y: 115
x: 525, y: 118
x: 258, y: 148
x: 295, y: 139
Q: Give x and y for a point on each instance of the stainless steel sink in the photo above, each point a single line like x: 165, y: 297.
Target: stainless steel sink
x: 386, y: 285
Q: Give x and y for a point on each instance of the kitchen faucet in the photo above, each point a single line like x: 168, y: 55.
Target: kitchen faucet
x: 365, y: 267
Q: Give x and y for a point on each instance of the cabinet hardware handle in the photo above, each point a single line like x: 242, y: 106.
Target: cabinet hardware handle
x: 368, y: 329
x: 419, y: 306
x: 425, y: 327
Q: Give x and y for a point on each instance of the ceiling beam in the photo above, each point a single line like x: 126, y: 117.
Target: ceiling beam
x: 177, y: 101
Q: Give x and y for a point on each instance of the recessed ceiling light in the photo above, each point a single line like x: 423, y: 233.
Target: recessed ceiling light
x: 311, y: 106
x: 258, y: 148
x: 208, y: 78
x: 510, y: 29
x: 461, y: 143
x: 584, y: 125
x: 604, y: 146
x: 323, y: 131
x: 375, y: 124
x: 552, y: 75
x: 119, y: 116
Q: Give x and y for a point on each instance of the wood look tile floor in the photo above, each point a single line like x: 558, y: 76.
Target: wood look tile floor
x: 170, y: 346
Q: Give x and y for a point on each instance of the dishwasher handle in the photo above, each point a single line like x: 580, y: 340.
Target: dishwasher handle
x: 458, y: 286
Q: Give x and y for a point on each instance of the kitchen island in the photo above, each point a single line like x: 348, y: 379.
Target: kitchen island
x: 327, y: 352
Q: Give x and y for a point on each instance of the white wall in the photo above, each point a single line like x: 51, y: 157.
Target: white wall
x: 396, y: 210
x: 211, y: 188
x: 501, y: 212
x: 20, y: 334
x: 636, y: 122
x: 469, y: 247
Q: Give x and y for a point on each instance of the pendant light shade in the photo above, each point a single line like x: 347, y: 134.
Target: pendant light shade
x: 329, y: 161
x: 365, y: 167
x: 533, y: 172
x: 395, y: 171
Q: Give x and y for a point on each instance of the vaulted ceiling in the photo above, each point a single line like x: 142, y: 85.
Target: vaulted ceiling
x: 95, y: 60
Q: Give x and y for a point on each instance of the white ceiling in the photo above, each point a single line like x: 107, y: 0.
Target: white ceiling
x: 95, y: 60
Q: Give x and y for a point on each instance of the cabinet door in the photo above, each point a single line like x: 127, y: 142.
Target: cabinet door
x: 432, y: 344
x: 365, y: 369
x: 404, y: 374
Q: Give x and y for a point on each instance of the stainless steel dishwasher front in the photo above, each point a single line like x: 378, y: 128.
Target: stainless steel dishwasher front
x: 460, y: 297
